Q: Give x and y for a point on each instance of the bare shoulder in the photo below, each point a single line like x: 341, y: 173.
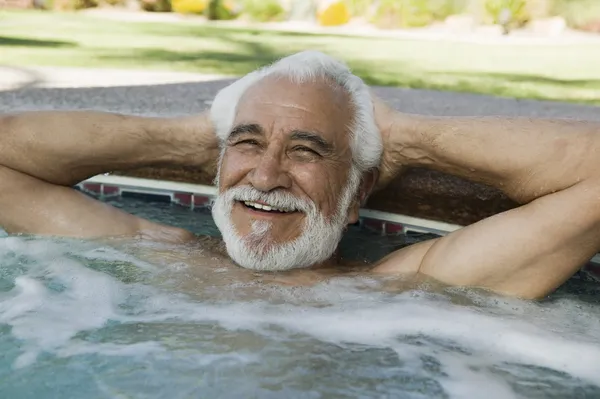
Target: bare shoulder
x: 163, y: 233
x: 407, y: 260
x: 174, y: 235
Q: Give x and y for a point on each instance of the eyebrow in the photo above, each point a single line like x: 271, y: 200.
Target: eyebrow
x: 315, y: 139
x: 246, y: 128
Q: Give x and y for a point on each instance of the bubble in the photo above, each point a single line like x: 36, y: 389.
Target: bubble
x: 89, y: 312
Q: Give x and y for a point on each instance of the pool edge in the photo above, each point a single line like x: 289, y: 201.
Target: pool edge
x: 201, y: 196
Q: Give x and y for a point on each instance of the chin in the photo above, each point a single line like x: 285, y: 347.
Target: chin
x: 258, y: 250
x: 269, y: 256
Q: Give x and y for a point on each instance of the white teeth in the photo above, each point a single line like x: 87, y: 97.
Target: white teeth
x: 265, y: 207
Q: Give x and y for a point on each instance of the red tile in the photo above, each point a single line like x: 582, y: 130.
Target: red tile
x: 95, y: 188
x: 184, y: 199
x: 201, y: 200
x: 393, y: 228
x: 373, y: 224
x: 110, y: 190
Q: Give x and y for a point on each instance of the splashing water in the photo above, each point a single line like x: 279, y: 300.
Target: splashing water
x: 81, y: 319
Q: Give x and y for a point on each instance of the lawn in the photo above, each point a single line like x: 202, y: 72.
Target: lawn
x: 567, y: 73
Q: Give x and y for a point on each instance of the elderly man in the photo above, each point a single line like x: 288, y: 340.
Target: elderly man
x: 301, y: 145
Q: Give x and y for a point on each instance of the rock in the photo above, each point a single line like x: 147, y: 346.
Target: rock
x: 460, y: 23
x: 549, y: 27
x: 491, y: 30
x: 17, y: 4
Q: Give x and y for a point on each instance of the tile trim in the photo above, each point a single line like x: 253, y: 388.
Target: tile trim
x: 369, y: 218
x: 141, y: 185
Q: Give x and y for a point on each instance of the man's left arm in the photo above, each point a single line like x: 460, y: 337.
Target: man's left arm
x: 548, y: 165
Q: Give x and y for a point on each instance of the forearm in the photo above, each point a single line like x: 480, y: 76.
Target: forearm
x: 67, y: 147
x: 525, y: 158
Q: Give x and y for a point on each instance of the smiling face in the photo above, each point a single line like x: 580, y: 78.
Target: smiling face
x: 287, y: 187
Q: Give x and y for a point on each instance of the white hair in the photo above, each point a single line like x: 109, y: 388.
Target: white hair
x: 366, y: 143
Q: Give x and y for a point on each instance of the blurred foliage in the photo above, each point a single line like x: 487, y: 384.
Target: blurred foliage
x: 392, y: 14
x: 385, y: 14
x: 509, y: 14
x: 414, y: 13
x: 71, y: 5
x: 156, y: 5
x: 221, y: 10
x: 189, y: 6
x: 359, y: 8
x: 579, y: 14
x: 538, y: 9
x: 264, y: 10
x: 334, y: 13
x: 112, y: 3
x: 212, y: 9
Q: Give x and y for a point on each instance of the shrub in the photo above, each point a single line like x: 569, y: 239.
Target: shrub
x: 72, y: 5
x: 579, y: 14
x: 333, y: 14
x: 221, y: 10
x: 359, y: 8
x: 402, y: 14
x: 415, y: 13
x: 189, y: 6
x: 156, y: 5
x: 442, y: 9
x: 264, y: 10
x: 508, y: 13
x: 112, y: 3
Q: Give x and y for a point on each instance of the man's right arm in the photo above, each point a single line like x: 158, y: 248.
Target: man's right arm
x: 66, y: 147
x: 43, y: 154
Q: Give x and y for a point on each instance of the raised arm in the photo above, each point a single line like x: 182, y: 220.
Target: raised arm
x: 43, y: 154
x: 550, y: 166
x: 66, y: 147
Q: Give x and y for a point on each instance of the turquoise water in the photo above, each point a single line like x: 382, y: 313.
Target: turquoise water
x: 113, y: 320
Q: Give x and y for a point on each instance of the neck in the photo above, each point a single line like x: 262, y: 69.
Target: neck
x: 334, y: 260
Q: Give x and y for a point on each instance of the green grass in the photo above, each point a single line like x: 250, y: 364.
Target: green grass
x: 567, y: 73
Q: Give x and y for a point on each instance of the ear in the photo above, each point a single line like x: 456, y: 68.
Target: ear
x: 367, y: 184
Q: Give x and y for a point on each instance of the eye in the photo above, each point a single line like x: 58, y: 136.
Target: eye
x: 302, y: 148
x: 250, y: 142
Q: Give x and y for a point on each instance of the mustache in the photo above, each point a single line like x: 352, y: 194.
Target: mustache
x: 278, y: 199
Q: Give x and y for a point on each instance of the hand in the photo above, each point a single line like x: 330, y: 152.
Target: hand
x: 386, y: 119
x: 208, y: 140
x: 194, y: 141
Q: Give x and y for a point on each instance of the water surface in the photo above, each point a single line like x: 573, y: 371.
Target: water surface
x: 97, y: 320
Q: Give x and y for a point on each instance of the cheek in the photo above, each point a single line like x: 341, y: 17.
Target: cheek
x: 233, y: 168
x: 322, y: 184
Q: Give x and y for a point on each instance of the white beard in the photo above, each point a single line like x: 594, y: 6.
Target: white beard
x: 258, y: 251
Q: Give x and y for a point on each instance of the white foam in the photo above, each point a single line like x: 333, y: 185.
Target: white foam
x: 380, y: 325
x: 47, y: 320
x: 563, y: 336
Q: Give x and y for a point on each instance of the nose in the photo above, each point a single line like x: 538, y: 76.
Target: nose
x: 270, y: 173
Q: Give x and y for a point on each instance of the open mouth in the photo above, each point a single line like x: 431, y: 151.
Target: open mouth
x: 255, y: 206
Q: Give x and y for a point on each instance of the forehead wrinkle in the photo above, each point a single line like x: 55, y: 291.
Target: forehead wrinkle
x: 290, y: 105
x: 273, y: 92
